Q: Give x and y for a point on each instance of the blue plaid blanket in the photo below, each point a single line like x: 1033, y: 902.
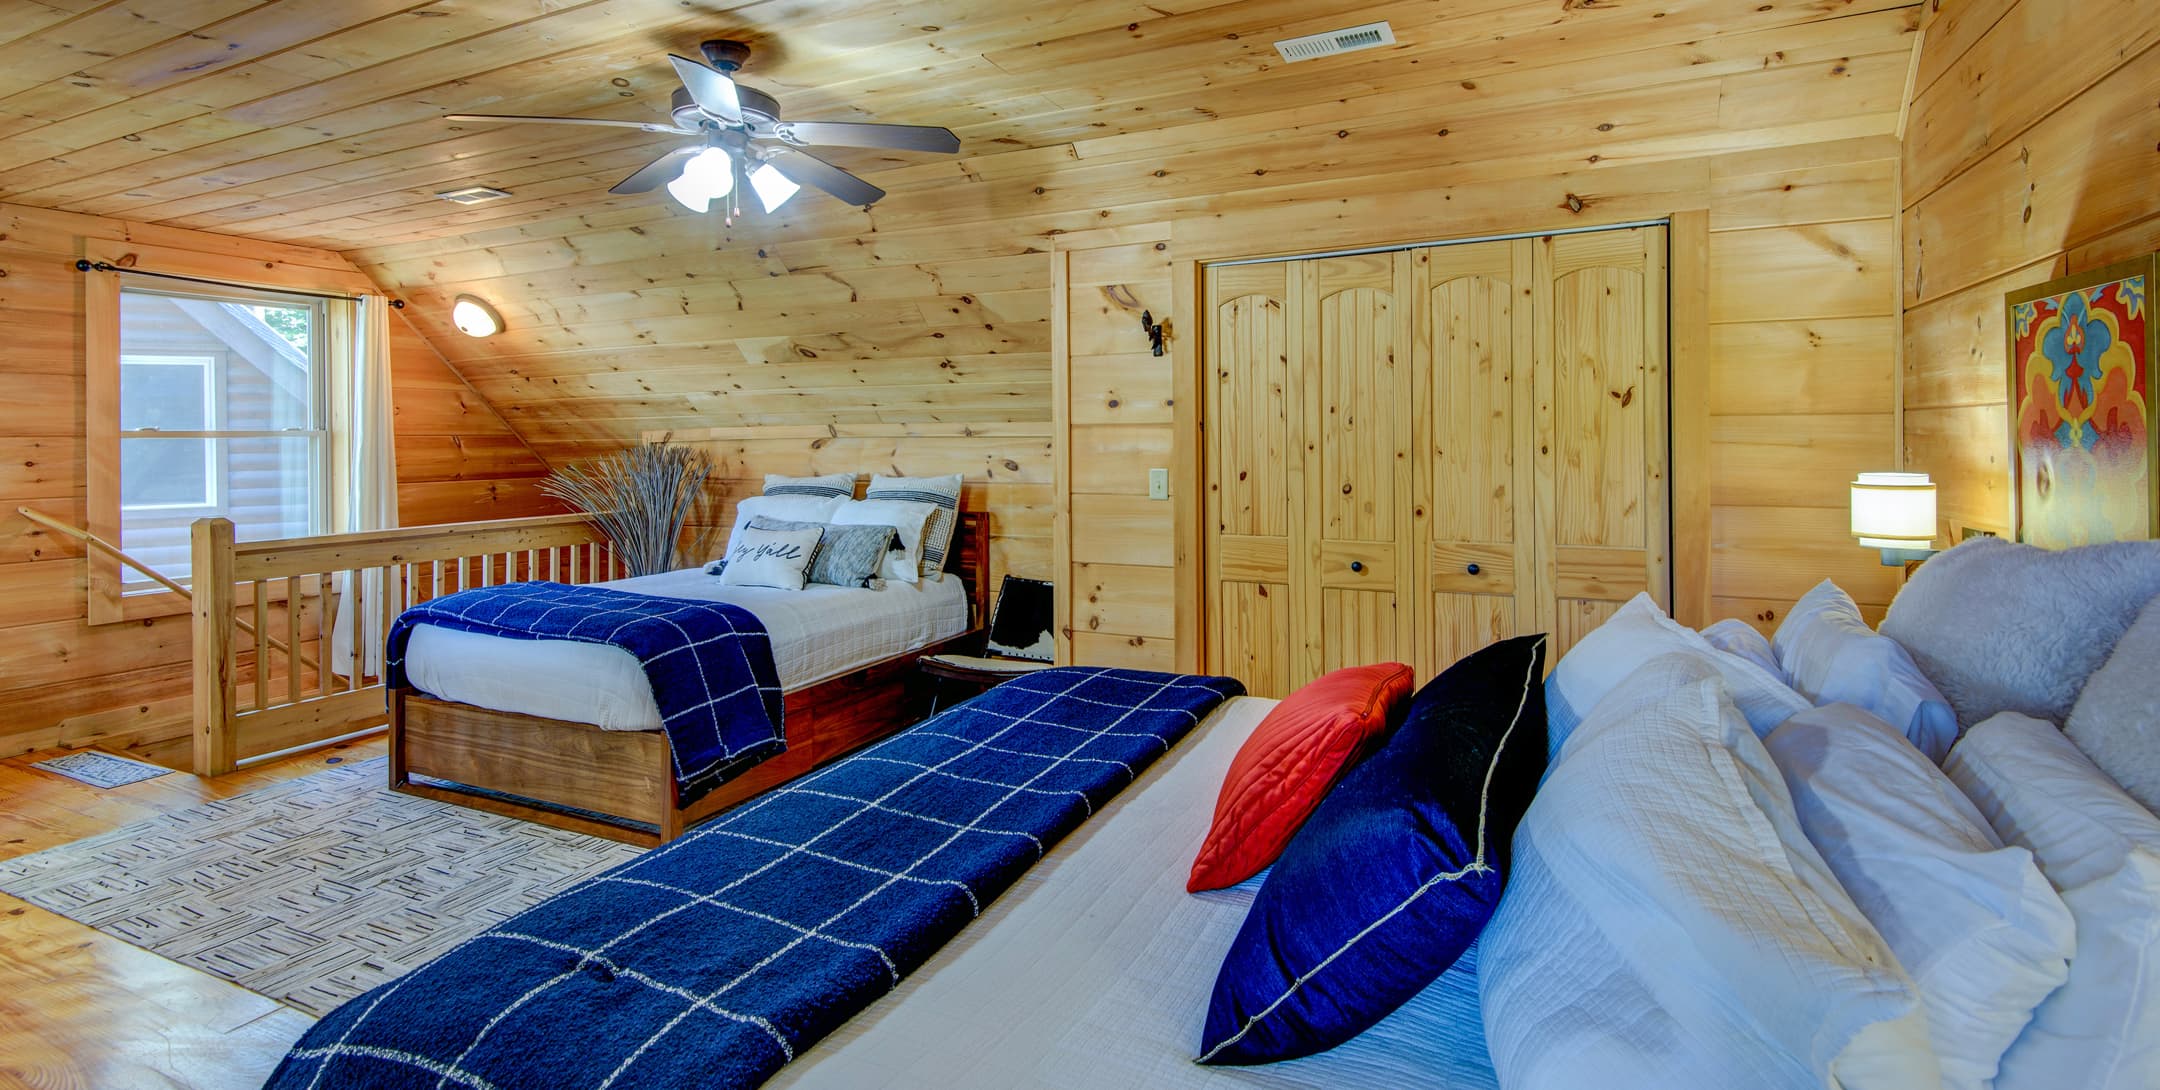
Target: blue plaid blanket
x: 710, y: 663
x: 715, y: 960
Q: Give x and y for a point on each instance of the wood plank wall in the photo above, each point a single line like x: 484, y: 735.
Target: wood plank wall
x: 1802, y: 371
x: 1116, y: 561
x: 2030, y: 154
x: 1005, y: 470
x: 125, y: 686
x: 457, y: 461
x: 932, y: 310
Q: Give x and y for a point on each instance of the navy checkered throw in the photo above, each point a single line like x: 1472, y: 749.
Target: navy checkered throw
x: 715, y: 960
x: 710, y: 663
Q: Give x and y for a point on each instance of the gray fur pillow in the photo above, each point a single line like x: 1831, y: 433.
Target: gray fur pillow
x: 2117, y: 718
x: 2005, y: 627
x: 849, y: 555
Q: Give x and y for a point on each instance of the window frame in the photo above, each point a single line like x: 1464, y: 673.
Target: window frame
x: 217, y: 425
x: 263, y: 268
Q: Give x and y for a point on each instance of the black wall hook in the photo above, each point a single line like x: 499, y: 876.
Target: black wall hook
x: 1154, y: 331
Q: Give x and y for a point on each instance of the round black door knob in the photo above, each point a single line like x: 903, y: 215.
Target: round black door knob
x: 1357, y: 565
x: 1472, y: 569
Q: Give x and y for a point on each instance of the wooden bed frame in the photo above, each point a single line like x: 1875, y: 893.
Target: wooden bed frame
x: 620, y: 784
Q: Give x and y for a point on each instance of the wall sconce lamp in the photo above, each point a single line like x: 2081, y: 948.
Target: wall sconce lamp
x: 1895, y: 512
x: 474, y: 317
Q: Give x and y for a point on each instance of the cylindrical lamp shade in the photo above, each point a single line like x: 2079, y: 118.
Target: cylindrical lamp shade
x: 1894, y: 510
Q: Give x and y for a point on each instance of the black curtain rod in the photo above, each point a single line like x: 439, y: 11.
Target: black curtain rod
x: 86, y: 265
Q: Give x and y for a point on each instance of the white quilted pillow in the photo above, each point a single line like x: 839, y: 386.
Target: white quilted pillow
x: 1737, y: 637
x: 1832, y: 656
x: 1639, y: 632
x: 1667, y: 924
x: 2101, y: 1029
x: 1975, y: 923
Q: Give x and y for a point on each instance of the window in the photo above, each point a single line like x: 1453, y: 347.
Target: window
x: 223, y: 412
x: 226, y: 383
x: 158, y: 394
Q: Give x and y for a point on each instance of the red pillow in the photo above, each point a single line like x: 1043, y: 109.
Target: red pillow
x: 1280, y: 775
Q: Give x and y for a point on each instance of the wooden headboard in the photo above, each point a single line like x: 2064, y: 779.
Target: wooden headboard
x: 1013, y: 498
x: 969, y: 558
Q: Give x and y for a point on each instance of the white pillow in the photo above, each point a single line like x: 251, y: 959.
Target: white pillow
x: 770, y: 558
x: 2005, y: 627
x: 1666, y: 923
x: 1639, y: 632
x: 1832, y: 657
x: 1737, y: 637
x: 904, y: 564
x: 2117, y: 718
x: 1982, y: 932
x: 779, y: 509
x: 2101, y: 1030
x: 831, y: 486
x: 942, y: 494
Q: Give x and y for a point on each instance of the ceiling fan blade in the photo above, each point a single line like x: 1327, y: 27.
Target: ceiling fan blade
x: 655, y: 174
x: 856, y: 134
x: 804, y: 168
x: 711, y: 89
x: 648, y: 126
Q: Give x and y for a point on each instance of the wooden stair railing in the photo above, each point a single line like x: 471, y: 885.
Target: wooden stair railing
x: 278, y: 696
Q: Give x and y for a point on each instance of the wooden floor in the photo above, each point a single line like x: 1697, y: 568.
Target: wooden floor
x: 79, y: 1009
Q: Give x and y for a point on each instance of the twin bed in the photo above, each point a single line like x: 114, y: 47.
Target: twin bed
x: 568, y: 734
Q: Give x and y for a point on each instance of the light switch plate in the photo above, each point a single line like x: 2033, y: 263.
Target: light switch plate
x: 1158, y: 484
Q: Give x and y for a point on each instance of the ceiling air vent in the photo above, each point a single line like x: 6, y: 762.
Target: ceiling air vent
x: 472, y: 194
x: 1346, y: 40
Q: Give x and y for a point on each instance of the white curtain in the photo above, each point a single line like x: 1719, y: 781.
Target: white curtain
x: 363, y: 461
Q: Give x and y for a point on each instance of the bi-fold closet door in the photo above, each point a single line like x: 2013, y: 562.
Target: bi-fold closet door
x: 1412, y: 454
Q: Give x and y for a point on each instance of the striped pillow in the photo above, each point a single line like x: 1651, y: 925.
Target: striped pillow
x: 942, y: 493
x: 832, y: 486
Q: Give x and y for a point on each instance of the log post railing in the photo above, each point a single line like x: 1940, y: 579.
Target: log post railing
x: 274, y: 670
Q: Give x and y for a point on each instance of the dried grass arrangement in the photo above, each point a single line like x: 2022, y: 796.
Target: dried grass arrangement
x: 642, y: 498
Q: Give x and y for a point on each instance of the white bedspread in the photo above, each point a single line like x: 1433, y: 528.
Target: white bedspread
x: 817, y: 633
x: 1094, y: 970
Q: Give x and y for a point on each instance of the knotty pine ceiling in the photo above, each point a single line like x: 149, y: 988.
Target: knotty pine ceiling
x: 319, y: 122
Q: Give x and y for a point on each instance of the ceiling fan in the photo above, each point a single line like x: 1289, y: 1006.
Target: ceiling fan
x: 744, y: 144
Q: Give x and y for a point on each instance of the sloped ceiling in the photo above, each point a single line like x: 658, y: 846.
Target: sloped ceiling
x: 320, y: 123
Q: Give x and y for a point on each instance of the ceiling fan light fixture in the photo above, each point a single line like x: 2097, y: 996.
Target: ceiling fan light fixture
x: 773, y: 188
x: 739, y: 135
x: 707, y: 177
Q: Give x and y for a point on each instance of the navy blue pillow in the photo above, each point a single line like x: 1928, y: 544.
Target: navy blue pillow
x: 1395, y: 873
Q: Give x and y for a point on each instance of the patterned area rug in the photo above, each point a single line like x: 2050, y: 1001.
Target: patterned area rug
x: 101, y: 769
x: 310, y: 891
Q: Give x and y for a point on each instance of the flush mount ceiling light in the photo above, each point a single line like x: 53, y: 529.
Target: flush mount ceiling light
x: 474, y: 318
